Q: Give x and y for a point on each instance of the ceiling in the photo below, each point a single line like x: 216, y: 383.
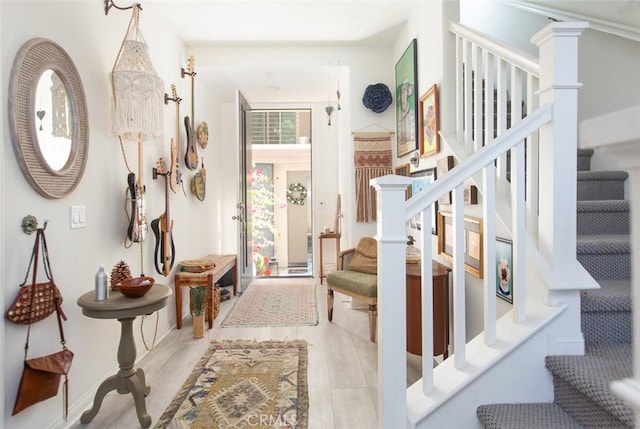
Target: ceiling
x: 265, y: 22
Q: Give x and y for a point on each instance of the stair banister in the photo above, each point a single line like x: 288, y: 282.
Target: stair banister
x: 477, y: 161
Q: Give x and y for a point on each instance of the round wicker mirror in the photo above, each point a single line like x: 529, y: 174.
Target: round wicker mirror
x: 37, y: 58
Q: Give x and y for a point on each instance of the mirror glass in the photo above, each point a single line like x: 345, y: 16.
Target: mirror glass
x: 53, y: 130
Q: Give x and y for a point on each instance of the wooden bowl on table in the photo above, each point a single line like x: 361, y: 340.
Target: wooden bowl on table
x: 136, y: 287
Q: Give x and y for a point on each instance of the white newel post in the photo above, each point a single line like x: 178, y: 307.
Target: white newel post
x: 558, y: 47
x: 392, y: 330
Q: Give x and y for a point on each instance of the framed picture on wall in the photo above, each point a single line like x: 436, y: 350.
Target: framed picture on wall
x: 428, y: 117
x: 472, y: 242
x: 407, y: 100
x: 504, y: 261
x: 421, y: 180
x: 403, y: 170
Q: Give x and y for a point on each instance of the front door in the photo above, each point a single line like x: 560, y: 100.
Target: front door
x: 243, y: 216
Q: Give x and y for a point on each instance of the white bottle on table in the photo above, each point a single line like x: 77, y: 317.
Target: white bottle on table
x: 102, y: 291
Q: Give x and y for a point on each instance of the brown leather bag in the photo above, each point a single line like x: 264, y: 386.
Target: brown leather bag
x: 41, y: 376
x: 22, y: 311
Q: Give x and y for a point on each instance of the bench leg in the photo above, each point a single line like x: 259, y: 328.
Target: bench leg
x: 178, y: 293
x: 373, y: 320
x: 330, y: 304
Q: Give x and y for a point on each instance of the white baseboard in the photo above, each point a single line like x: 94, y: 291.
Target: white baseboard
x: 565, y: 344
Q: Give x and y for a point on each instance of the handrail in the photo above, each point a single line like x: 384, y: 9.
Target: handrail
x: 521, y: 59
x: 479, y: 159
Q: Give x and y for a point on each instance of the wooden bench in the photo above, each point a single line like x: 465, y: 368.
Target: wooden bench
x: 208, y: 278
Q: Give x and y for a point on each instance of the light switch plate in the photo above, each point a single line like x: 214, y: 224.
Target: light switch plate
x: 77, y: 217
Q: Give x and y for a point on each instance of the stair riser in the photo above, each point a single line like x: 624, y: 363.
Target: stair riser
x: 584, y: 163
x: 584, y: 410
x: 594, y: 325
x: 590, y: 223
x: 607, y: 266
x: 591, y: 190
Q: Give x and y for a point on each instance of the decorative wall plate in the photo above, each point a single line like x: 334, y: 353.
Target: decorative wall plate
x: 198, y: 186
x: 203, y: 134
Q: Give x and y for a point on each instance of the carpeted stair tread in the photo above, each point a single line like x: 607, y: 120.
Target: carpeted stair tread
x: 603, y: 175
x: 613, y: 295
x: 603, y: 217
x: 592, y: 373
x: 603, y: 244
x: 601, y: 185
x: 591, y: 206
x: 525, y: 416
x: 584, y: 159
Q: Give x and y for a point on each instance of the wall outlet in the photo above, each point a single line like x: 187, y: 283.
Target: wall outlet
x: 77, y: 217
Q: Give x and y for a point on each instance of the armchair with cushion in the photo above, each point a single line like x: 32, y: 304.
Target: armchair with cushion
x: 356, y: 277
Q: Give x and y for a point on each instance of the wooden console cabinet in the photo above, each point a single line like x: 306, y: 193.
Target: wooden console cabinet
x: 440, y: 309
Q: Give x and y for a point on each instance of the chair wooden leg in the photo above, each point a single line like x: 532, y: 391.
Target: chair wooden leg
x: 330, y: 304
x: 373, y: 320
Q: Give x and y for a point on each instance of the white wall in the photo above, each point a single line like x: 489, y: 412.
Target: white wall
x: 92, y: 40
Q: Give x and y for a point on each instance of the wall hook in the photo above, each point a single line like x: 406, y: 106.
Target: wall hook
x: 29, y: 224
x: 108, y: 4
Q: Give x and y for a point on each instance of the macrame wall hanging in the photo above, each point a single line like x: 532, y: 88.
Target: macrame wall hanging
x: 373, y: 158
x: 138, y: 91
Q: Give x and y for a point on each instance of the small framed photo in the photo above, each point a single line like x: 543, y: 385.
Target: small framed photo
x: 428, y: 122
x: 404, y: 170
x: 421, y: 180
x: 472, y: 239
x: 504, y: 261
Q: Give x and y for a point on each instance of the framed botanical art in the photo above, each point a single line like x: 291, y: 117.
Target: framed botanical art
x: 403, y: 170
x: 428, y: 117
x: 407, y: 100
x: 504, y: 261
x: 472, y: 242
x: 422, y: 179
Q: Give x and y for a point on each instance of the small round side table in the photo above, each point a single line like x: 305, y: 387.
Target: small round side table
x: 128, y: 379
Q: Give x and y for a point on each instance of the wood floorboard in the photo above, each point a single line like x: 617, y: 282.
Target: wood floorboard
x: 342, y: 366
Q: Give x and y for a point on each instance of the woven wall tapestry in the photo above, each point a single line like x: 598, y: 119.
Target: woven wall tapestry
x: 372, y: 155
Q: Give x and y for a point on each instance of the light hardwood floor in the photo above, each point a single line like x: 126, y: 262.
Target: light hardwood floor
x: 342, y: 370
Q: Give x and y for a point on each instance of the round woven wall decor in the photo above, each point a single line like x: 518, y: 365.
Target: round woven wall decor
x: 377, y: 97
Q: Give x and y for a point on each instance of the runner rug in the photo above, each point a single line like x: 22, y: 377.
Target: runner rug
x: 275, y: 305
x: 244, y: 384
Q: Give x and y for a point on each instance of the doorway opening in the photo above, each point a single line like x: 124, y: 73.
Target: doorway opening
x: 281, y: 192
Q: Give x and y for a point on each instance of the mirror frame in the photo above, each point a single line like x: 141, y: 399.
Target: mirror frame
x: 33, y: 58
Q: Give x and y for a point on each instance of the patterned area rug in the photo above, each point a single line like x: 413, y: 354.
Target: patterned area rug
x: 275, y: 305
x: 244, y: 384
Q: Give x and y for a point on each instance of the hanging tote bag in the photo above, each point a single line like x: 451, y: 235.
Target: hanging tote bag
x: 36, y: 301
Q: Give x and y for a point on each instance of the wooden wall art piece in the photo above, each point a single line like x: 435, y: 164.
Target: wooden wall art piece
x: 428, y: 122
x: 472, y: 242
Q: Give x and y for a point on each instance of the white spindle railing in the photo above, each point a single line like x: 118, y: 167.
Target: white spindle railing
x: 513, y: 76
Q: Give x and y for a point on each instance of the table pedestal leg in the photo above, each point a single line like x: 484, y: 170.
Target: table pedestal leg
x: 127, y: 380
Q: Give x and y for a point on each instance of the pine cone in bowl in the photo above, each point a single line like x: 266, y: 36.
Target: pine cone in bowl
x: 120, y: 273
